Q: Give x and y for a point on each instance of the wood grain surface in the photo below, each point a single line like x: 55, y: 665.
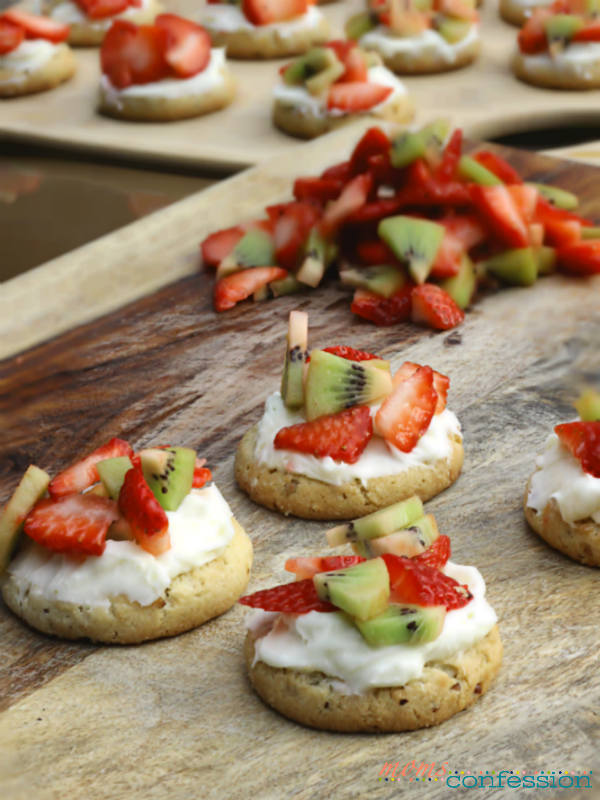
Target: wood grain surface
x: 485, y: 98
x: 178, y: 718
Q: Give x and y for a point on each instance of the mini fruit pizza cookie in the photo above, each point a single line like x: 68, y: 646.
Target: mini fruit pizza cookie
x: 89, y: 20
x: 516, y: 12
x: 562, y: 501
x: 162, y: 72
x: 334, y: 84
x: 559, y: 47
x: 419, y: 36
x: 265, y: 28
x: 34, y: 56
x: 127, y: 547
x: 401, y: 640
x: 344, y: 437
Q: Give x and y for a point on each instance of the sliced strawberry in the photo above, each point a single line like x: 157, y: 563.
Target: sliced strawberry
x: 406, y: 414
x: 233, y: 288
x: 457, y: 8
x: 562, y: 232
x: 187, y: 45
x: 83, y: 473
x: 265, y: 12
x: 304, y: 568
x: 532, y: 36
x: 498, y: 210
x: 353, y: 196
x: 433, y: 306
x: 291, y: 225
x: 342, y: 436
x: 436, y: 555
x: 546, y: 214
x: 423, y: 585
x: 441, y: 383
x: 582, y: 439
x: 76, y: 523
x: 146, y: 517
x: 374, y: 251
x: 202, y: 474
x: 133, y: 55
x: 219, y: 244
x: 373, y: 143
x: 340, y: 171
x: 100, y: 9
x: 580, y: 258
x: 317, y: 190
x: 341, y: 47
x: 356, y: 96
x: 447, y: 169
x: 525, y: 198
x: 501, y: 168
x: 350, y: 353
x: 11, y: 36
x: 463, y: 231
x: 37, y: 27
x: 589, y: 33
x: 378, y: 209
x: 298, y: 597
x: 449, y: 257
x: 382, y: 310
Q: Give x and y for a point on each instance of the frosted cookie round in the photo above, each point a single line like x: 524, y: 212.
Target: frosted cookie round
x: 254, y: 31
x: 516, y: 12
x: 87, y: 29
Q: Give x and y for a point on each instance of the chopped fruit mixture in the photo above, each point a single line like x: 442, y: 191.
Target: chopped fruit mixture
x: 414, y: 226
x: 582, y: 439
x: 267, y: 12
x: 17, y: 25
x: 551, y: 29
x: 100, y: 9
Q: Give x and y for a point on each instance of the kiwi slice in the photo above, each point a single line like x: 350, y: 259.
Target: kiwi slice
x: 423, y: 5
x: 315, y: 259
x: 435, y: 135
x: 472, y: 170
x: 413, y: 241
x: 517, y: 267
x: 311, y: 63
x: 292, y: 380
x: 588, y: 232
x: 384, y: 280
x: 361, y: 591
x: 592, y: 8
x: 359, y: 24
x: 379, y: 523
x: 288, y: 285
x: 588, y: 405
x: 406, y: 148
x: 408, y: 542
x: 255, y: 249
x: 112, y: 474
x: 320, y: 82
x: 451, y: 29
x: 334, y: 383
x: 31, y: 487
x: 558, y: 197
x: 560, y: 29
x: 546, y: 260
x: 169, y: 472
x: 461, y: 287
x: 403, y: 624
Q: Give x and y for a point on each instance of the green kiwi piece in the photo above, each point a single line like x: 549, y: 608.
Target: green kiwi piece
x: 406, y: 148
x: 588, y: 232
x: 517, y: 267
x: 560, y: 29
x: 461, y: 287
x: 361, y: 591
x: 288, y: 285
x: 112, y: 474
x: 558, y: 197
x: 414, y: 242
x: 384, y: 280
x: 169, y: 472
x: 255, y: 249
x: 546, y: 260
x: 403, y: 624
x: 315, y: 259
x: 359, y: 24
x: 379, y: 523
x: 292, y: 379
x: 450, y: 28
x: 592, y: 8
x: 334, y: 383
x: 423, y: 5
x: 311, y: 63
x: 588, y: 405
x: 435, y: 135
x: 408, y: 542
x: 472, y: 170
x: 319, y: 83
x: 30, y: 489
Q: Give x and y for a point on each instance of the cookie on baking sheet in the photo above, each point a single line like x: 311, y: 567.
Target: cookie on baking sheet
x: 33, y: 56
x: 89, y: 20
x: 127, y: 547
x: 257, y: 30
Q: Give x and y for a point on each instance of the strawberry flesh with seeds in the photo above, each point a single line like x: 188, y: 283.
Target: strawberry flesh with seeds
x: 350, y: 353
x: 307, y: 567
x: 582, y: 439
x: 423, y: 585
x: 298, y: 597
x: 146, y: 517
x: 406, y: 414
x: 436, y: 555
x: 433, y: 306
x: 84, y: 473
x: 383, y: 310
x: 342, y: 436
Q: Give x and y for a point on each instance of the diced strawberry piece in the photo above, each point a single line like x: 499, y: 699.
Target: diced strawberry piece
x: 202, y: 474
x: 353, y: 196
x: 380, y: 167
x: 187, y: 45
x: 350, y: 353
x: 423, y: 585
x: 37, y: 27
x: 383, y: 310
x: 422, y: 189
x: 342, y: 436
x: 582, y: 258
x: 582, y: 439
x: 240, y: 285
x: 297, y: 597
x: 317, y: 190
x: 374, y: 251
x: 463, y: 232
x: 100, y: 9
x: 291, y: 225
x: 341, y: 47
x: 84, y: 473
x: 525, y: 199
x: 11, y: 36
x: 501, y: 168
x: 532, y: 36
x: 458, y: 9
x: 433, y: 306
x: 133, y: 55
x: 441, y: 383
x: 448, y: 258
x: 265, y: 12
x: 76, y: 523
x: 498, y: 210
x: 219, y: 244
x: 546, y: 213
x: 340, y: 171
x: 436, y: 555
x: 406, y: 414
x: 146, y: 517
x: 356, y: 96
x: 562, y: 232
x: 452, y: 152
x: 536, y: 234
x: 589, y: 33
x: 378, y: 209
x: 304, y: 568
x: 373, y: 143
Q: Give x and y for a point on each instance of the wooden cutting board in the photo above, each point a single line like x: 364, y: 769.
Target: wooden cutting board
x: 485, y: 97
x: 178, y: 717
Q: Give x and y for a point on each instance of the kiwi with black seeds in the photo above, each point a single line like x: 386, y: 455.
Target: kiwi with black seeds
x: 361, y: 591
x: 413, y: 241
x: 379, y: 523
x: 292, y: 379
x: 255, y: 249
x: 403, y: 624
x: 518, y: 267
x: 169, y: 472
x: 383, y: 279
x: 112, y: 474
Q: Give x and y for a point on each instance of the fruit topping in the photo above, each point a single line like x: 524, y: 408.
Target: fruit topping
x: 31, y: 488
x: 100, y: 9
x: 169, y: 472
x: 414, y: 242
x: 111, y: 472
x: 233, y: 288
x: 202, y: 474
x: 582, y: 439
x: 354, y: 355
x: 11, y: 36
x: 411, y: 582
x: 342, y: 436
x: 147, y: 519
x: 406, y: 414
x: 361, y: 591
x: 437, y: 554
x: 408, y: 542
x: 84, y: 473
x: 357, y: 96
x: 588, y: 405
x: 266, y: 12
x: 186, y: 45
x: 37, y: 27
x: 307, y: 567
x: 292, y: 380
x: 433, y: 306
x: 298, y: 597
x: 403, y: 624
x: 382, y: 310
x: 379, y: 523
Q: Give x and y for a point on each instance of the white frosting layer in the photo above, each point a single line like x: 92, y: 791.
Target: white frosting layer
x: 428, y: 42
x: 230, y: 18
x: 331, y: 644
x: 212, y: 77
x: 316, y: 105
x: 378, y: 459
x: 29, y: 56
x: 576, y: 59
x: 70, y: 13
x: 200, y: 530
x: 560, y: 476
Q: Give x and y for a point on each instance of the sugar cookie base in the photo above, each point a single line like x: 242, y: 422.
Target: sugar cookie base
x: 265, y: 42
x: 91, y: 33
x: 550, y: 79
x: 58, y: 69
x: 426, y: 63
